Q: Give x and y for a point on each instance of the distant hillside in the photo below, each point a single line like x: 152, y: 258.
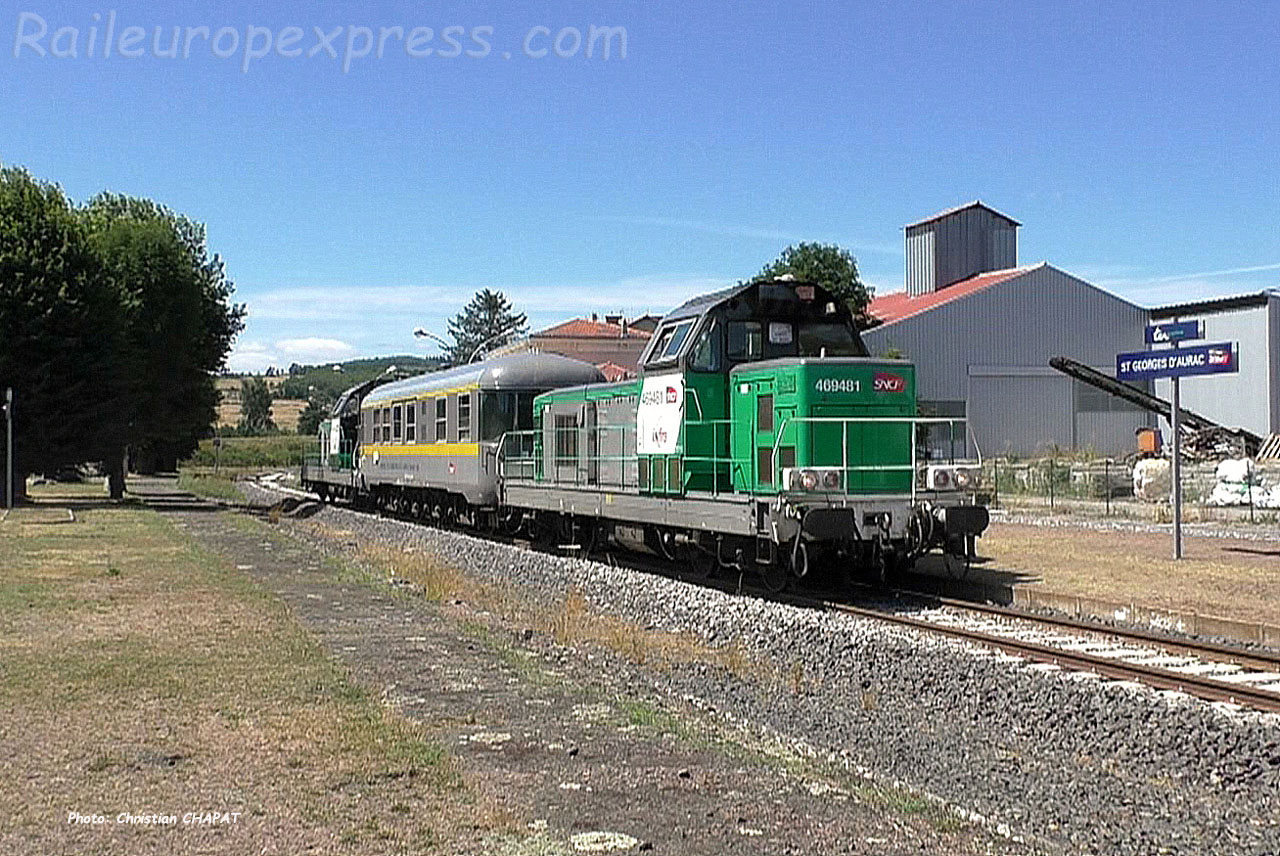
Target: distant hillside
x: 321, y: 381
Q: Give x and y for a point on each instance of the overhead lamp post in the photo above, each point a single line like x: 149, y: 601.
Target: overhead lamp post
x: 427, y: 334
x: 507, y: 332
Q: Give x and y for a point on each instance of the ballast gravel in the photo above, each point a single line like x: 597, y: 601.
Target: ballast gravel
x: 1082, y: 764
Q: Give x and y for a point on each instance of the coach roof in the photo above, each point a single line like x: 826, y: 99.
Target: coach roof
x: 511, y: 371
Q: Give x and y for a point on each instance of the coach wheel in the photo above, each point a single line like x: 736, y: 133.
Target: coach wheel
x: 508, y: 521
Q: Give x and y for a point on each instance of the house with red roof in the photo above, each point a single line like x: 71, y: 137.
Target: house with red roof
x: 612, y: 344
x: 981, y: 329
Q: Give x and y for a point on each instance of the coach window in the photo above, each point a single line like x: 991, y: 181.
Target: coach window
x: 386, y: 424
x: 464, y: 416
x: 411, y: 422
x: 397, y: 423
x: 442, y: 419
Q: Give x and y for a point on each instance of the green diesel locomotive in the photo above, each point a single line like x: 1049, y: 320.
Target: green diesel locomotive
x: 759, y: 435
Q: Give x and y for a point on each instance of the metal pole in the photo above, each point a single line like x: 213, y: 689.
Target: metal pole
x: 1177, y: 474
x: 1051, y: 468
x: 1106, y: 484
x: 8, y: 448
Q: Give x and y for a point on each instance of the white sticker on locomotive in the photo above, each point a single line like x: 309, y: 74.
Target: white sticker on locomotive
x: 659, y: 414
x: 837, y: 384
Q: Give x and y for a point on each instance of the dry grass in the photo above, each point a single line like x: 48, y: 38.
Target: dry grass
x: 1233, y: 579
x: 142, y: 674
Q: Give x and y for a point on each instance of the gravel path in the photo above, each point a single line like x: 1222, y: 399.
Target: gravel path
x: 1242, y: 532
x: 1091, y: 766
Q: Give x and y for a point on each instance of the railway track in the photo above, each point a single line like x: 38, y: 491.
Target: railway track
x: 1204, y: 670
x: 1215, y: 673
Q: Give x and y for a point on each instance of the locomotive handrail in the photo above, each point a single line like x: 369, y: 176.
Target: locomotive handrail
x: 524, y: 466
x: 844, y: 421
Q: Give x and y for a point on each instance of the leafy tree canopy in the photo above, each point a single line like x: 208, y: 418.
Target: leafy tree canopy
x: 255, y: 407
x: 60, y: 323
x: 828, y: 265
x: 487, y: 322
x: 179, y: 321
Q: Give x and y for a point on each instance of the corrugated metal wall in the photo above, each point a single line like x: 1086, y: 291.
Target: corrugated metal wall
x: 1247, y: 399
x: 970, y: 241
x: 1273, y: 356
x: 1011, y: 330
x: 920, y: 261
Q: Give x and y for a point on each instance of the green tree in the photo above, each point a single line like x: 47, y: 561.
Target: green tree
x: 178, y: 327
x: 60, y: 327
x: 828, y: 265
x: 319, y: 403
x: 487, y: 322
x: 255, y: 407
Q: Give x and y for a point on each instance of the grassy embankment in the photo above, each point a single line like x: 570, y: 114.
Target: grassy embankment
x: 143, y: 674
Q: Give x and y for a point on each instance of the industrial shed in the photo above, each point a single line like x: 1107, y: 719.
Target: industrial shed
x: 981, y: 330
x: 1251, y: 398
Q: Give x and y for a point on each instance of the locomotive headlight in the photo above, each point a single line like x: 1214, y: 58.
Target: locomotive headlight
x: 808, y: 480
x: 962, y: 479
x: 941, y: 479
x: 831, y: 480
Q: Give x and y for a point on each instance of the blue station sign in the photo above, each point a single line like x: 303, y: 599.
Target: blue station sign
x: 1218, y: 358
x: 1174, y: 331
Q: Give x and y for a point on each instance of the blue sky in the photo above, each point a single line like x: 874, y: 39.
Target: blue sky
x: 1138, y: 143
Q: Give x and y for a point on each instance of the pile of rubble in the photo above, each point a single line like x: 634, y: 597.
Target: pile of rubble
x: 1240, y: 483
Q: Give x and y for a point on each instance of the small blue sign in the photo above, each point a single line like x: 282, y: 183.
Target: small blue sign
x: 1174, y: 331
x: 1219, y: 358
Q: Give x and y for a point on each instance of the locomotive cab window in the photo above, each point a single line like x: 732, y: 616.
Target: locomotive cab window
x: 829, y: 338
x: 670, y: 340
x: 707, y: 350
x: 746, y: 341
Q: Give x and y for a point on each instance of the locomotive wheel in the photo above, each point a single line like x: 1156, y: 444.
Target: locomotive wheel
x: 775, y: 576
x: 702, y: 563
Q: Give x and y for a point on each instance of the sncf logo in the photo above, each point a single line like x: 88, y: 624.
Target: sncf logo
x: 885, y: 382
x: 672, y: 395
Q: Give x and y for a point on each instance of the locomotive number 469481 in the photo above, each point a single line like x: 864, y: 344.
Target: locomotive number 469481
x: 837, y: 384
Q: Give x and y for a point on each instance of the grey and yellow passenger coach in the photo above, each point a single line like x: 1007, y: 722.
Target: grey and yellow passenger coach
x: 429, y: 443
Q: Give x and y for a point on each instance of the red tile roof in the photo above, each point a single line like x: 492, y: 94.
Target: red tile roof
x: 898, y: 305
x: 581, y: 328
x: 613, y: 372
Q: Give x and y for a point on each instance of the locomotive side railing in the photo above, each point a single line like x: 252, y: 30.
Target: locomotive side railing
x: 521, y: 455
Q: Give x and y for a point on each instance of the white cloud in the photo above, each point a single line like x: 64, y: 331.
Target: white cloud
x: 253, y: 356
x: 313, y: 349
